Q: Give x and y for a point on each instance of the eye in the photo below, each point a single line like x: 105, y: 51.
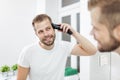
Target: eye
x: 48, y: 28
x: 40, y: 31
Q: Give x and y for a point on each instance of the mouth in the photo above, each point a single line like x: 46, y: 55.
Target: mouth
x: 48, y: 38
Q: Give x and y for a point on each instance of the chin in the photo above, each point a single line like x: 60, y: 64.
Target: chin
x: 103, y: 49
x: 107, y: 49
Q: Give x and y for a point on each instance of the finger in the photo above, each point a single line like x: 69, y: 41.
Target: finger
x: 64, y: 28
x: 61, y: 26
x: 67, y: 29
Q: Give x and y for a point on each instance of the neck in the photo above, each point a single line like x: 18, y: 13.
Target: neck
x: 46, y: 47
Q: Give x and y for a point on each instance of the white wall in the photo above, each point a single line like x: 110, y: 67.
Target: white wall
x: 115, y: 66
x: 15, y: 28
x: 52, y: 9
x: 41, y: 7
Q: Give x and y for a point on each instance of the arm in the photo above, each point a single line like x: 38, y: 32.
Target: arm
x: 22, y: 73
x: 84, y: 46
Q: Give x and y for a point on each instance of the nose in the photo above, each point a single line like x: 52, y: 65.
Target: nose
x: 45, y: 33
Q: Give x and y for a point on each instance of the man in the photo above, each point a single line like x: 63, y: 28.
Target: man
x: 46, y: 59
x: 105, y: 15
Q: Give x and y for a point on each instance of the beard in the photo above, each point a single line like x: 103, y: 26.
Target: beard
x: 109, y: 46
x: 48, y: 40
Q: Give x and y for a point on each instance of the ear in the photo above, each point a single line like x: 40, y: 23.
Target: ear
x: 116, y: 32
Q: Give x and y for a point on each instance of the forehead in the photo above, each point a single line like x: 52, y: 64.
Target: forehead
x: 41, y: 25
x: 95, y: 16
x: 96, y: 13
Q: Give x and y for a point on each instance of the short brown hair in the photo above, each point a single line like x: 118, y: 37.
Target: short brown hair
x: 40, y: 18
x: 110, y: 11
x: 99, y: 3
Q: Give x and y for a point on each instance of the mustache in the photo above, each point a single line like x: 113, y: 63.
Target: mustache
x: 49, y: 36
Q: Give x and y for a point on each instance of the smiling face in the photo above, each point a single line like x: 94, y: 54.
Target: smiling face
x: 45, y: 32
x: 105, y: 38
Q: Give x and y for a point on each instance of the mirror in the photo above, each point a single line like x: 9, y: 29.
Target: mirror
x: 16, y: 31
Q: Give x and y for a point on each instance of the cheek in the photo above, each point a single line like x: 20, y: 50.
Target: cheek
x: 39, y: 36
x: 116, y: 34
x: 96, y: 35
x: 52, y: 32
x: 101, y: 37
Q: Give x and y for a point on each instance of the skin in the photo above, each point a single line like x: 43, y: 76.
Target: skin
x: 46, y: 35
x: 107, y: 40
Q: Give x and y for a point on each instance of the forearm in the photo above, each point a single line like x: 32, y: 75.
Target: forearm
x: 86, y: 45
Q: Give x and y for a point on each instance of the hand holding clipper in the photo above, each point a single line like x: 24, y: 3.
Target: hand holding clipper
x: 56, y: 26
